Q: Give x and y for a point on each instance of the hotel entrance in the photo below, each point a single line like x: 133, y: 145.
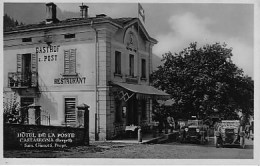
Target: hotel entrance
x: 132, y: 112
x: 133, y: 106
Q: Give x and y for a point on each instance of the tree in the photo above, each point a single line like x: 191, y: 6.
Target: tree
x: 11, y: 109
x: 10, y: 22
x: 205, y: 82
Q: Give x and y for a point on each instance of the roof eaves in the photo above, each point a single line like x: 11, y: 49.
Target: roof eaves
x: 63, y: 26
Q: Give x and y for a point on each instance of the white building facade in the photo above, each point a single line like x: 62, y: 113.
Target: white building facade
x: 102, y: 62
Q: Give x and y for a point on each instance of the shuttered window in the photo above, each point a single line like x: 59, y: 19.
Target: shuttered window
x: 70, y: 110
x: 27, y: 69
x: 143, y: 69
x: 131, y: 65
x: 70, y: 62
x: 117, y: 62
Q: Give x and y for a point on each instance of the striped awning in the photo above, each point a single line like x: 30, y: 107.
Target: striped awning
x: 143, y: 91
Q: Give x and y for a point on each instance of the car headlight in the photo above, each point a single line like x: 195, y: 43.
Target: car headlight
x: 197, y: 130
x: 186, y: 129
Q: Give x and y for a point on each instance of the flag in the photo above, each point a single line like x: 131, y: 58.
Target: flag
x: 141, y: 12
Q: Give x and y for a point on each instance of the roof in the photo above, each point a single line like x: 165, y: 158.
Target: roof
x: 118, y: 22
x: 143, y: 90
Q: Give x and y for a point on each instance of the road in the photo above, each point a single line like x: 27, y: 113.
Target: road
x: 171, y: 150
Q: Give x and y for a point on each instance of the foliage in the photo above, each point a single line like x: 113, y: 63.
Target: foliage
x: 205, y: 82
x: 10, y: 22
x: 11, y: 110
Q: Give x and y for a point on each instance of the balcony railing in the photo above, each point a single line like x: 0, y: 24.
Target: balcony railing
x: 131, y: 79
x: 22, y: 80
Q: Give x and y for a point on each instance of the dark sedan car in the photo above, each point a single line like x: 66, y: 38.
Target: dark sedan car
x: 194, y: 131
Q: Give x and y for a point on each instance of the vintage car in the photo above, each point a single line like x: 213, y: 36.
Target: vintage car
x: 194, y: 131
x: 229, y: 132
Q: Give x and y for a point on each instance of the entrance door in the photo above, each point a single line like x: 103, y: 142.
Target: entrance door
x: 132, y: 112
x: 25, y: 101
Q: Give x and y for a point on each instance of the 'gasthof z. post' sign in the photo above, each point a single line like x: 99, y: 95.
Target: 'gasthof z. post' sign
x: 50, y: 53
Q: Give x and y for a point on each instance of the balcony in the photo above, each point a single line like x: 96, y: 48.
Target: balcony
x: 22, y: 80
x: 131, y: 79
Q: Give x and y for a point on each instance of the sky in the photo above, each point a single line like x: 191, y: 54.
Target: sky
x: 175, y: 25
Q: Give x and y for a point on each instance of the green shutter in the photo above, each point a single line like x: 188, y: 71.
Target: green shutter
x: 70, y: 110
x: 34, y: 70
x: 34, y: 63
x: 66, y: 61
x: 72, y: 61
x: 19, y: 63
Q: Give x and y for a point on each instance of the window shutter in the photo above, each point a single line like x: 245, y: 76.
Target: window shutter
x: 73, y: 61
x: 34, y: 63
x: 19, y: 63
x: 34, y: 70
x: 66, y: 61
x: 70, y: 110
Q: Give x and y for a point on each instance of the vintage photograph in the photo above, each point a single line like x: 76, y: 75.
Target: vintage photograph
x: 133, y: 80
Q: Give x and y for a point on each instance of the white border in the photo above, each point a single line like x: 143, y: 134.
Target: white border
x: 76, y: 161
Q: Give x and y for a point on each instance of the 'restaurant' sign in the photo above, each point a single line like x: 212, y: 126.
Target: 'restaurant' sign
x: 70, y: 80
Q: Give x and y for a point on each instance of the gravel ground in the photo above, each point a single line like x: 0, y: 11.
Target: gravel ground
x: 170, y: 150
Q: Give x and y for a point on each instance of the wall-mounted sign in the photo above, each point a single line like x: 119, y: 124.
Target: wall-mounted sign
x: 49, y: 53
x: 48, y: 49
x: 70, y: 80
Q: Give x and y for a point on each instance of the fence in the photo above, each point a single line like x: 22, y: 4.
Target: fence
x: 39, y: 117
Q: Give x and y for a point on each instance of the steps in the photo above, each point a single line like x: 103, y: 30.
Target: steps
x: 164, y: 138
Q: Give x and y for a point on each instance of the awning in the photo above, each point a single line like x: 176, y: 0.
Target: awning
x: 144, y: 91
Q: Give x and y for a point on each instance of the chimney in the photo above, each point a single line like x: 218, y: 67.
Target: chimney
x: 84, y: 11
x: 51, y: 13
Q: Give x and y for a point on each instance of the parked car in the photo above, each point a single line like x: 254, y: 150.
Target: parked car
x: 229, y: 132
x: 252, y: 130
x: 194, y: 131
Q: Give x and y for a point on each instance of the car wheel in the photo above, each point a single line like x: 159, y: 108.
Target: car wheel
x: 181, y: 139
x: 202, y: 140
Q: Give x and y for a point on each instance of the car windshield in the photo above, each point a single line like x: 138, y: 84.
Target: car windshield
x: 193, y: 122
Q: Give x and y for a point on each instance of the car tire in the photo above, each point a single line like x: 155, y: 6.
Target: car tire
x: 219, y: 143
x: 202, y: 140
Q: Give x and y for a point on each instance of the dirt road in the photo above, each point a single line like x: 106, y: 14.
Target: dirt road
x: 171, y: 150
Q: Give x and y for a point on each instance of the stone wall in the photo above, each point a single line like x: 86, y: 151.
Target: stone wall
x: 17, y: 136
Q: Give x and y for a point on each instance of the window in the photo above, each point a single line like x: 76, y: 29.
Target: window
x: 143, y: 106
x: 117, y: 62
x: 70, y: 110
x: 70, y: 62
x: 69, y: 36
x: 27, y: 69
x: 28, y: 39
x: 143, y: 69
x: 131, y: 65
